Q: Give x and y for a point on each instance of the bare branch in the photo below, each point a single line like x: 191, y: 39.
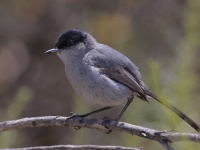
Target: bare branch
x: 163, y: 137
x: 76, y: 147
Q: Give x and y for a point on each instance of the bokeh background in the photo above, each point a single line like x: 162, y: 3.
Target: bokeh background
x: 161, y: 37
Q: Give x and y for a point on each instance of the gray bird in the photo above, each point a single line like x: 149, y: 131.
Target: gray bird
x: 102, y: 75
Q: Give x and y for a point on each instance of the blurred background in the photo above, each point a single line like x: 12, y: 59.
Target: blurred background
x: 161, y: 37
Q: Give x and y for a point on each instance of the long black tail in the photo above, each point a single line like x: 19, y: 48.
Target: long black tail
x: 176, y: 111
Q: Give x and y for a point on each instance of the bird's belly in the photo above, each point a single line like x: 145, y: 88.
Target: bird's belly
x: 98, y: 89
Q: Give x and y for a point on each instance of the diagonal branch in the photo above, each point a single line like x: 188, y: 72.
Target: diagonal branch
x: 163, y: 137
x: 166, y: 145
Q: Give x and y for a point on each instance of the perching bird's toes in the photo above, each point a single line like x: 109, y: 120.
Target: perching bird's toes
x: 106, y: 121
x: 164, y: 131
x: 73, y: 115
x: 77, y: 128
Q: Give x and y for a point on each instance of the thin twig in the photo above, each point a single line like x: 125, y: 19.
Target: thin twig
x: 75, y: 147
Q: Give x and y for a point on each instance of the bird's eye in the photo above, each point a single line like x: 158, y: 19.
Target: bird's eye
x: 71, y: 42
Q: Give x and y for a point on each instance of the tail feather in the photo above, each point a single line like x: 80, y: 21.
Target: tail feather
x: 176, y: 111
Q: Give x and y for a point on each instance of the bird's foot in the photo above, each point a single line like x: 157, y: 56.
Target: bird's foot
x: 165, y: 131
x: 73, y: 116
x: 106, y: 121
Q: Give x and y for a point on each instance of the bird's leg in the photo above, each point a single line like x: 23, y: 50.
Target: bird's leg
x: 106, y: 120
x: 96, y: 111
x: 88, y: 114
x: 93, y: 112
x: 124, y: 108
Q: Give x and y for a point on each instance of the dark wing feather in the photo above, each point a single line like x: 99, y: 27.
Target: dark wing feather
x: 124, y: 77
x: 119, y: 68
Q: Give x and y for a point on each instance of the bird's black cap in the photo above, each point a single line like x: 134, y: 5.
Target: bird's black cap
x: 70, y: 38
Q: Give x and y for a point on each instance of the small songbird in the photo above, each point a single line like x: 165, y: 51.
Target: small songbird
x: 102, y: 75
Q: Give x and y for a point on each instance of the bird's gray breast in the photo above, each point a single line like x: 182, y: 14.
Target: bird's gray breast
x: 94, y: 86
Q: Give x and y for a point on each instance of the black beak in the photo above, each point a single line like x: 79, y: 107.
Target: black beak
x: 54, y: 50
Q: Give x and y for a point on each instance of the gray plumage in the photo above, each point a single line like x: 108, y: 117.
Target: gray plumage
x: 102, y: 75
x: 88, y: 70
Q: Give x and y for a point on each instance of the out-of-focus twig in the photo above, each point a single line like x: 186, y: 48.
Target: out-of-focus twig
x: 76, y: 147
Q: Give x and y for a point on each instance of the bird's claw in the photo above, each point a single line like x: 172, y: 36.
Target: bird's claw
x: 73, y: 116
x: 77, y: 128
x: 106, y: 121
x: 108, y: 132
x: 164, y: 131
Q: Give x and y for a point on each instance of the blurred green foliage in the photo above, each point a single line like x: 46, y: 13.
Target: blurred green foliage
x: 160, y: 37
x: 14, y: 110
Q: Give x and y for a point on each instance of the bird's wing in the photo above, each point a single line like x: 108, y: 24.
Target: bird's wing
x: 124, y: 77
x: 119, y: 68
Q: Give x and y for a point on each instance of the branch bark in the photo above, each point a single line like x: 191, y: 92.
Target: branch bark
x: 165, y: 138
x: 76, y: 147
